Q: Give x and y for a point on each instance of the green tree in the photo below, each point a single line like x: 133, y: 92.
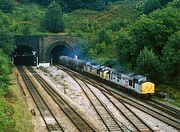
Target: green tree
x: 6, y: 5
x: 154, y: 30
x: 105, y: 36
x: 151, y: 5
x: 100, y: 48
x: 125, y: 48
x: 6, y: 42
x: 140, y: 5
x: 41, y: 2
x: 117, y: 25
x: 150, y: 33
x: 5, y: 21
x: 109, y: 37
x: 99, y: 4
x: 175, y: 4
x: 102, y: 35
x: 148, y: 64
x: 171, y: 57
x: 164, y: 2
x: 53, y: 19
x: 26, y: 29
x: 168, y: 17
x: 85, y: 25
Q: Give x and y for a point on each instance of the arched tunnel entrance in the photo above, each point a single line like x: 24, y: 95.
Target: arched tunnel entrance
x: 24, y: 55
x: 60, y: 50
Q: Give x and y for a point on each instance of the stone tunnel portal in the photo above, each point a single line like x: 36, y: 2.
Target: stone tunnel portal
x: 24, y: 55
x: 60, y: 50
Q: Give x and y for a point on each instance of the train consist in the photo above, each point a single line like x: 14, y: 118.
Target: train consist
x: 130, y: 81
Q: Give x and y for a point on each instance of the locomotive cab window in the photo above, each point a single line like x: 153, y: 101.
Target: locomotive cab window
x: 130, y: 82
x: 135, y: 80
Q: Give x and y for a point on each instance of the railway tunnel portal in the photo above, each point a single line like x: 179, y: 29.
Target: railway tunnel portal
x: 44, y: 50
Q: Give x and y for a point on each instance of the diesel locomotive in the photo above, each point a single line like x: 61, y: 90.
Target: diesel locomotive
x: 127, y: 80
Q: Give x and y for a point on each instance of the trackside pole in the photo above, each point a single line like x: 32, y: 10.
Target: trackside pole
x: 37, y: 61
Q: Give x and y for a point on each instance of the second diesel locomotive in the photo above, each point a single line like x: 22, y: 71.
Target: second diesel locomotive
x: 131, y: 81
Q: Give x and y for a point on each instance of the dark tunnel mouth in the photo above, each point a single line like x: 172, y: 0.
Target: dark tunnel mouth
x: 60, y: 50
x: 23, y: 55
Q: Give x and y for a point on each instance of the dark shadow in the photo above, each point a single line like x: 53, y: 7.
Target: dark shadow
x: 24, y: 56
x: 60, y: 50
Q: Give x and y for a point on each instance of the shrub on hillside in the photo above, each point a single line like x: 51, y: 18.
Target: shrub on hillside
x: 6, y: 5
x: 6, y: 42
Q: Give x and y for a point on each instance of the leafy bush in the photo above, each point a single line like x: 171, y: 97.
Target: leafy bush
x: 147, y: 6
x: 175, y: 4
x: 6, y: 42
x: 6, y: 112
x: 6, y: 5
x: 117, y: 25
x: 150, y: 5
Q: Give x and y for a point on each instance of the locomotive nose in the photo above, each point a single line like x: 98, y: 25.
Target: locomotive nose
x: 148, y: 87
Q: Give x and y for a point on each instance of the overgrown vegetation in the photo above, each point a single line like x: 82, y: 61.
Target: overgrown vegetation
x: 7, y: 5
x: 22, y: 115
x: 7, y: 122
x: 70, y: 5
x: 147, y: 6
x: 10, y: 103
x: 6, y: 110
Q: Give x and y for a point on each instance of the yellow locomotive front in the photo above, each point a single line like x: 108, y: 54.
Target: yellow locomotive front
x: 147, y: 88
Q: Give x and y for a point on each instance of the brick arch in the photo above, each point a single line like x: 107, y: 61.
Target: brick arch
x: 55, y: 44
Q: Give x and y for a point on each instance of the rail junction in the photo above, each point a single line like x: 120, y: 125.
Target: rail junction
x: 93, y: 89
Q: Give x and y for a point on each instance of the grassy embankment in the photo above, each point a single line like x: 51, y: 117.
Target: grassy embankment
x: 22, y: 115
x: 173, y: 94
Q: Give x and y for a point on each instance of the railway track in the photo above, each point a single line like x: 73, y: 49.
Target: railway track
x: 161, y: 114
x: 78, y: 121
x: 154, y: 112
x: 168, y: 109
x: 48, y: 117
x: 137, y: 122
x: 106, y: 117
x: 150, y: 110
